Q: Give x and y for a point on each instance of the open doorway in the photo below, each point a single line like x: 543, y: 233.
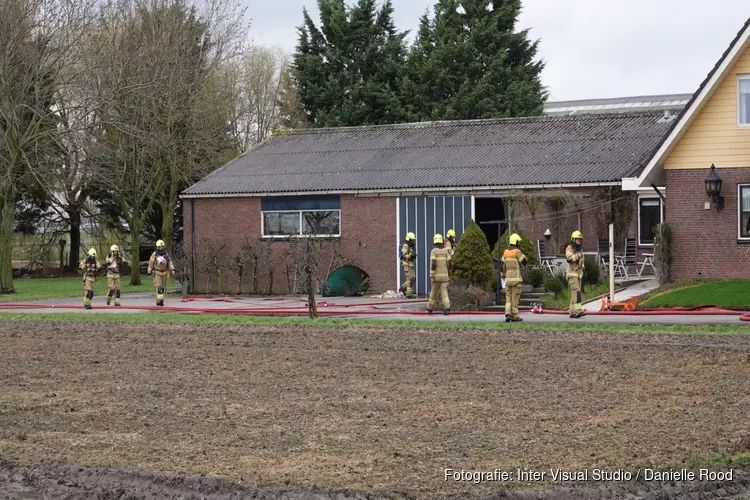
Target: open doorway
x: 486, y: 210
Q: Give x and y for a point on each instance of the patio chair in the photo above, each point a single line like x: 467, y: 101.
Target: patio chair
x: 623, y: 261
x: 544, y: 260
x: 603, y: 250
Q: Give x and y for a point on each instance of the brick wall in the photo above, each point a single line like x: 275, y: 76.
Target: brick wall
x: 368, y: 235
x: 705, y: 241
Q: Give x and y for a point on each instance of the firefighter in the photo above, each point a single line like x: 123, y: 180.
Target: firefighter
x: 160, y: 265
x: 408, y: 259
x: 439, y: 279
x: 114, y: 262
x: 90, y: 266
x: 450, y: 242
x: 511, y: 272
x: 574, y: 256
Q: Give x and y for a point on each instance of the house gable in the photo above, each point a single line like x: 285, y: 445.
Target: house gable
x: 714, y: 137
x: 732, y: 61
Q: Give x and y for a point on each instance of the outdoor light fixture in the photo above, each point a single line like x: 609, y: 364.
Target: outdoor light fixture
x: 548, y: 234
x: 713, y: 188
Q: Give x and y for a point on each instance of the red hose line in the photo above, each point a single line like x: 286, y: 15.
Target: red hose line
x: 303, y: 311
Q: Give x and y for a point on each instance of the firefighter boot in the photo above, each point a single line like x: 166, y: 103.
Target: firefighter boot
x: 117, y: 298
x: 109, y: 296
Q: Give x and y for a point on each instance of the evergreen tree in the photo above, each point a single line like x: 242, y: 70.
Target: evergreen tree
x: 348, y: 72
x: 472, y: 261
x: 470, y: 62
x: 528, y: 247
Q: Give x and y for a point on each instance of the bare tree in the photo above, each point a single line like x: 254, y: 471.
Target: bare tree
x: 212, y: 262
x: 155, y: 88
x: 35, y: 36
x: 256, y: 82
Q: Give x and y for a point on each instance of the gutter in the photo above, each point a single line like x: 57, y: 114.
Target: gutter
x: 410, y: 191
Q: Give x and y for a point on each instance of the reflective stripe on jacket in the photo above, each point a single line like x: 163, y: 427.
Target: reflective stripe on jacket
x: 439, y: 258
x: 575, y: 262
x: 512, y: 259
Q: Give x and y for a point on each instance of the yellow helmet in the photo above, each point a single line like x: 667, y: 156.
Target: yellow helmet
x: 92, y: 252
x: 450, y: 234
x: 437, y: 239
x: 576, y: 235
x: 411, y: 236
x: 114, y: 248
x: 160, y: 244
x: 514, y: 239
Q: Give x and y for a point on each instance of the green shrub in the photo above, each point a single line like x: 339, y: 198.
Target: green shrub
x: 527, y: 246
x: 591, y: 271
x: 663, y: 252
x: 472, y: 261
x: 537, y: 277
x: 556, y: 283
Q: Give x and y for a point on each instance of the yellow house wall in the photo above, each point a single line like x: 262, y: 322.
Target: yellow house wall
x: 714, y: 136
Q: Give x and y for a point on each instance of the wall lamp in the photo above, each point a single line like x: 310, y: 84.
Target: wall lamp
x: 713, y: 188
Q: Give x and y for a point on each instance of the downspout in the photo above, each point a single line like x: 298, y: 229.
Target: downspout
x: 663, y: 199
x: 192, y: 244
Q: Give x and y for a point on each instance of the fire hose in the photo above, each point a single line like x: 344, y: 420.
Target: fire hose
x: 710, y: 310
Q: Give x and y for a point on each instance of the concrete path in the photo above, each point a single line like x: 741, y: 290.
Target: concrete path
x: 363, y: 305
x: 637, y: 289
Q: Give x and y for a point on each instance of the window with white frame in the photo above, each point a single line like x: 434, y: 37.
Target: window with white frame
x: 283, y: 217
x: 743, y: 100
x: 650, y: 214
x: 744, y: 211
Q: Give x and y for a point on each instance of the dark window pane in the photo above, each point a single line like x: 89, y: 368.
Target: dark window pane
x: 324, y: 223
x: 281, y: 223
x: 650, y: 217
x: 300, y: 203
x: 745, y: 212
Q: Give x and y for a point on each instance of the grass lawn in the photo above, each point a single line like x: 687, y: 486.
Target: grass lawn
x: 364, y: 324
x: 563, y: 300
x: 50, y: 288
x: 730, y: 293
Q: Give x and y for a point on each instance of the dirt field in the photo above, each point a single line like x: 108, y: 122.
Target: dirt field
x: 384, y: 412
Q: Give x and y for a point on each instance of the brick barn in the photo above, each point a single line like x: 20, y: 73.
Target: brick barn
x: 710, y: 240
x: 366, y: 187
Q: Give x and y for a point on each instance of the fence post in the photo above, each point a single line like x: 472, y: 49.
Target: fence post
x: 612, y: 262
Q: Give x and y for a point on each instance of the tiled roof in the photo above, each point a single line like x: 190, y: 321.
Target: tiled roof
x: 461, y: 154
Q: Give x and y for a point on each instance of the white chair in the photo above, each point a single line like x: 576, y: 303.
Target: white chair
x: 648, y: 260
x: 544, y: 261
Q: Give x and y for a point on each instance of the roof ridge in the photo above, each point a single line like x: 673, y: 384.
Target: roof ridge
x: 474, y: 122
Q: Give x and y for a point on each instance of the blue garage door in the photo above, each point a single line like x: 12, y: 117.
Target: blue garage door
x: 425, y: 217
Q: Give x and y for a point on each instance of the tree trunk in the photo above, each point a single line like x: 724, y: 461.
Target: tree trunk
x: 167, y: 224
x: 75, y: 239
x: 7, y: 212
x: 313, y: 306
x: 135, y: 245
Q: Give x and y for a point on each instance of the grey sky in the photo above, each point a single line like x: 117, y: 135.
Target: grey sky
x: 592, y: 48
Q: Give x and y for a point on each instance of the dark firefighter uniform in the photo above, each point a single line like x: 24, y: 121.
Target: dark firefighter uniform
x: 439, y: 279
x: 90, y: 266
x: 160, y: 265
x: 114, y: 263
x: 574, y: 256
x: 408, y: 259
x: 511, y: 271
